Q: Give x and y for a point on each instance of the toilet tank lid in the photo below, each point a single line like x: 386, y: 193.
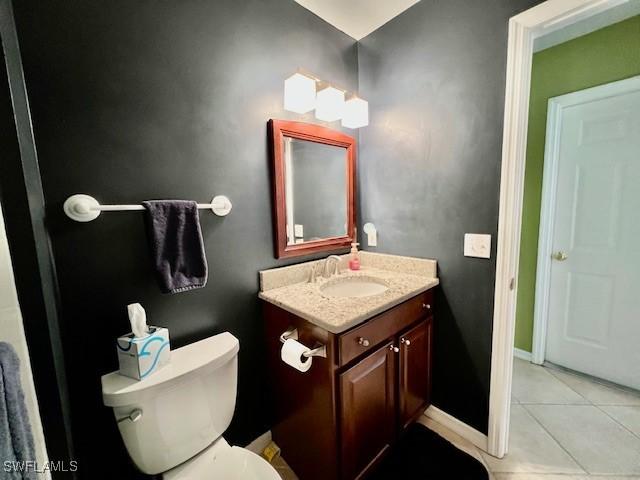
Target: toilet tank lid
x: 212, y: 352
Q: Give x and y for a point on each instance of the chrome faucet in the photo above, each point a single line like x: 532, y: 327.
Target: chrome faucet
x: 327, y: 262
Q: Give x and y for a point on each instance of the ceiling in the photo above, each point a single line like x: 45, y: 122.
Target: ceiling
x: 357, y: 18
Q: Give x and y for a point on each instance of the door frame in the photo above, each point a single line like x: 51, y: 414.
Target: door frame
x: 548, y: 206
x: 524, y: 28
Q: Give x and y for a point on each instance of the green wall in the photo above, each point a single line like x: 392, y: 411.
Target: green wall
x: 606, y: 55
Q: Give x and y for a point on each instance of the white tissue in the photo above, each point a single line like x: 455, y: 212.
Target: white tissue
x: 291, y: 354
x: 138, y: 320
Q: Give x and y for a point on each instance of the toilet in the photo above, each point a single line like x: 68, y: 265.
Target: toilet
x: 172, y: 421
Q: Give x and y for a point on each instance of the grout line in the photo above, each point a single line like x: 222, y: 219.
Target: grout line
x: 524, y: 405
x: 552, y: 367
x: 556, y: 440
x: 587, y: 378
x: 550, y: 371
x: 616, y: 420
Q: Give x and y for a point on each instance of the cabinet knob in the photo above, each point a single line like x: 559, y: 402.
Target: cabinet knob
x: 363, y: 341
x: 426, y: 306
x: 394, y: 349
x: 406, y: 341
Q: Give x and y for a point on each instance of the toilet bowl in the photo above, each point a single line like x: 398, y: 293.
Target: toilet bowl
x: 222, y: 461
x: 172, y: 422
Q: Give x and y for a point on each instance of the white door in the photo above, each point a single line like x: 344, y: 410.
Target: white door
x: 594, y: 293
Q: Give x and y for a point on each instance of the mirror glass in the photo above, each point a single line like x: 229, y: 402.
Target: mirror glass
x: 315, y: 190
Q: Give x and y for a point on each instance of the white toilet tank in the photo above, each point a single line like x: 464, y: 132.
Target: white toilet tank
x: 185, y: 406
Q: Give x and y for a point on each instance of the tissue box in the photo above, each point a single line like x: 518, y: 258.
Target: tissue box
x: 140, y: 357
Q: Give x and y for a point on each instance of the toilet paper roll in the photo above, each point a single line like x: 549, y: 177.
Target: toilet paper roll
x: 291, y: 354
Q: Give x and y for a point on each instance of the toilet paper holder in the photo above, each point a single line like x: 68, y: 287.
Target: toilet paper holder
x: 317, y: 351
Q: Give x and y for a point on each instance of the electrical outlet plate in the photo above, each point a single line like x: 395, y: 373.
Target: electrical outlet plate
x: 477, y: 245
x: 372, y: 234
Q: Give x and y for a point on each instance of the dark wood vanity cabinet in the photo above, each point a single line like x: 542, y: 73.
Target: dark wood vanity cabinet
x: 337, y: 420
x: 414, y: 374
x: 367, y: 410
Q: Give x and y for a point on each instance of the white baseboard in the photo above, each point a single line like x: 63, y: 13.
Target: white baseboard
x: 260, y: 443
x: 522, y: 354
x: 479, y: 439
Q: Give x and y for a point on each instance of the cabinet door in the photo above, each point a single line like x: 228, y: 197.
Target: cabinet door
x: 367, y: 410
x: 415, y: 371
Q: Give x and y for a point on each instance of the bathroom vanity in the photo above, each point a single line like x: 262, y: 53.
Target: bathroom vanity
x: 339, y: 418
x: 367, y: 332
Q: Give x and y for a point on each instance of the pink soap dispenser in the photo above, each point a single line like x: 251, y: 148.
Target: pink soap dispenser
x: 354, y: 262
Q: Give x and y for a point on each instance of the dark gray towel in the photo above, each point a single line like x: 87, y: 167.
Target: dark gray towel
x: 177, y: 247
x: 16, y: 438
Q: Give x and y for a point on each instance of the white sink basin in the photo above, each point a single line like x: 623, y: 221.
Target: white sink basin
x: 354, y: 287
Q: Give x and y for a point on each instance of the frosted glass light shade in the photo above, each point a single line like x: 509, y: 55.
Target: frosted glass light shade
x: 299, y: 93
x: 330, y: 104
x: 356, y: 113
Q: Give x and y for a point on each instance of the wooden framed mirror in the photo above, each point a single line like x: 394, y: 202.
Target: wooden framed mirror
x: 313, y: 188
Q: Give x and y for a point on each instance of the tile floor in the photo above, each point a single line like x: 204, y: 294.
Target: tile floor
x: 568, y: 427
x: 563, y: 427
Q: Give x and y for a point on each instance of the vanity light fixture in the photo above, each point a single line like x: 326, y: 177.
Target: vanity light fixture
x: 356, y: 113
x: 303, y: 92
x: 330, y: 104
x: 299, y: 93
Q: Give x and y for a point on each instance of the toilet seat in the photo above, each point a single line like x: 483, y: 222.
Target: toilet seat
x: 246, y: 465
x: 220, y: 461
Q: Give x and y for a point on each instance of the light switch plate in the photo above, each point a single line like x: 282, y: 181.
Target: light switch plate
x: 477, y: 245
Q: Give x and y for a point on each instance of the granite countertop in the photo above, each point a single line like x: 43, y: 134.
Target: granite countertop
x: 337, y: 314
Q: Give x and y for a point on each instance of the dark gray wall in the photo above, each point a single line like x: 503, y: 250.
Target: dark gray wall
x: 144, y: 99
x: 429, y: 169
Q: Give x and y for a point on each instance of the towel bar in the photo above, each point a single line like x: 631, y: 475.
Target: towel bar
x: 84, y: 208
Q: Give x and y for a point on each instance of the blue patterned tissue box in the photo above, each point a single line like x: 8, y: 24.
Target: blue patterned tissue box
x: 140, y: 357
